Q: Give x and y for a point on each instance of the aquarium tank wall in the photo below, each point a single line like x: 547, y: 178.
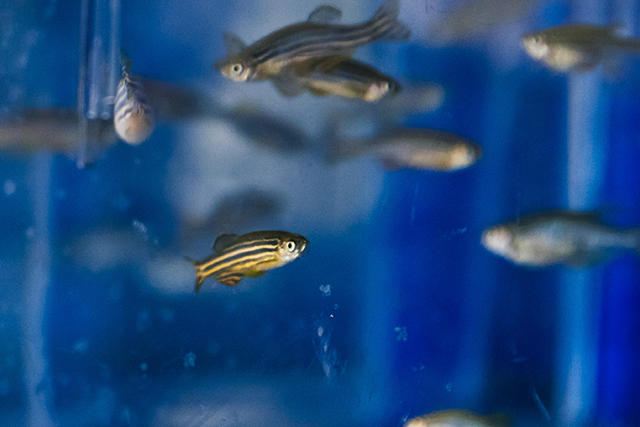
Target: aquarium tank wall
x: 389, y: 214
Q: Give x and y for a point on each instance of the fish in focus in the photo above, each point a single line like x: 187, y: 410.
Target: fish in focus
x: 319, y: 36
x: 576, y: 47
x: 249, y: 255
x: 412, y: 148
x: 558, y: 237
x: 133, y: 117
x: 337, y: 75
x: 458, y: 418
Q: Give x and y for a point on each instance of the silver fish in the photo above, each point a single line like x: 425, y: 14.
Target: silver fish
x: 413, y: 148
x: 576, y: 47
x: 53, y: 130
x: 337, y: 75
x: 251, y: 254
x: 317, y: 37
x: 558, y: 237
x: 458, y: 418
x: 133, y: 117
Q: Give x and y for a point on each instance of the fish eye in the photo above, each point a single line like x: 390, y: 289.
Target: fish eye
x: 236, y: 68
x: 291, y: 246
x: 537, y: 39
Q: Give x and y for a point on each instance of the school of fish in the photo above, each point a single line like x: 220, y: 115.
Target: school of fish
x: 315, y: 56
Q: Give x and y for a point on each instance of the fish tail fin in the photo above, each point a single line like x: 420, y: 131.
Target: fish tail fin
x: 200, y: 276
x: 636, y: 247
x: 386, y: 25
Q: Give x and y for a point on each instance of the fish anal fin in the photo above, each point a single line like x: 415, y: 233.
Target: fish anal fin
x: 224, y: 240
x: 230, y: 280
x: 288, y: 85
x: 325, y: 14
x: 233, y: 44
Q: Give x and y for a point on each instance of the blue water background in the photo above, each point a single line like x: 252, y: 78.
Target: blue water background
x: 418, y: 316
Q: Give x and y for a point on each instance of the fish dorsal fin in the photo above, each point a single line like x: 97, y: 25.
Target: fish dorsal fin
x: 325, y: 14
x: 233, y: 44
x: 223, y: 241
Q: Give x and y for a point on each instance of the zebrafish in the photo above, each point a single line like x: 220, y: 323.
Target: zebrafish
x: 249, y: 255
x: 54, y: 130
x: 413, y: 149
x: 577, y: 47
x: 133, y: 117
x: 319, y: 36
x: 458, y: 418
x: 558, y: 237
x: 338, y: 75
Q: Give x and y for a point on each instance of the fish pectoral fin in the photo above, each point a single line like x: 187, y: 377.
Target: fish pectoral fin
x: 325, y: 14
x: 233, y: 44
x: 288, y: 85
x: 223, y: 241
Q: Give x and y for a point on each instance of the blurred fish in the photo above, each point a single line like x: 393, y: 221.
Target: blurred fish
x: 458, y: 418
x: 342, y: 76
x: 577, y: 47
x: 242, y: 209
x: 318, y: 36
x: 106, y: 248
x: 173, y: 101
x: 133, y: 117
x: 474, y: 17
x: 265, y: 129
x: 558, y: 237
x: 414, y: 149
x: 54, y: 130
x: 251, y: 254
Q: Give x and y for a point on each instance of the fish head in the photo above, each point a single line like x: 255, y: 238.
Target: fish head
x: 376, y: 91
x: 464, y: 155
x: 535, y: 45
x: 234, y: 68
x: 498, y: 240
x: 291, y: 247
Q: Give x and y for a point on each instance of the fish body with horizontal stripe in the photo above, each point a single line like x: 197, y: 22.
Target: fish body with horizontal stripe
x: 249, y: 255
x: 133, y: 117
x: 341, y: 76
x: 318, y: 36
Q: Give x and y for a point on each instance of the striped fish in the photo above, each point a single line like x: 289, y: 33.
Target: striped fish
x: 411, y: 148
x: 318, y: 36
x: 338, y: 75
x: 133, y: 117
x: 249, y: 255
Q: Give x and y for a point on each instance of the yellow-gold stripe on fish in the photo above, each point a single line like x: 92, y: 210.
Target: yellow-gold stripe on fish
x: 251, y: 254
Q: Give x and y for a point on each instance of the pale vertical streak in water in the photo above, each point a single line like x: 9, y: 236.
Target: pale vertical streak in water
x: 470, y: 373
x: 98, y: 69
x: 37, y: 279
x: 577, y: 358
